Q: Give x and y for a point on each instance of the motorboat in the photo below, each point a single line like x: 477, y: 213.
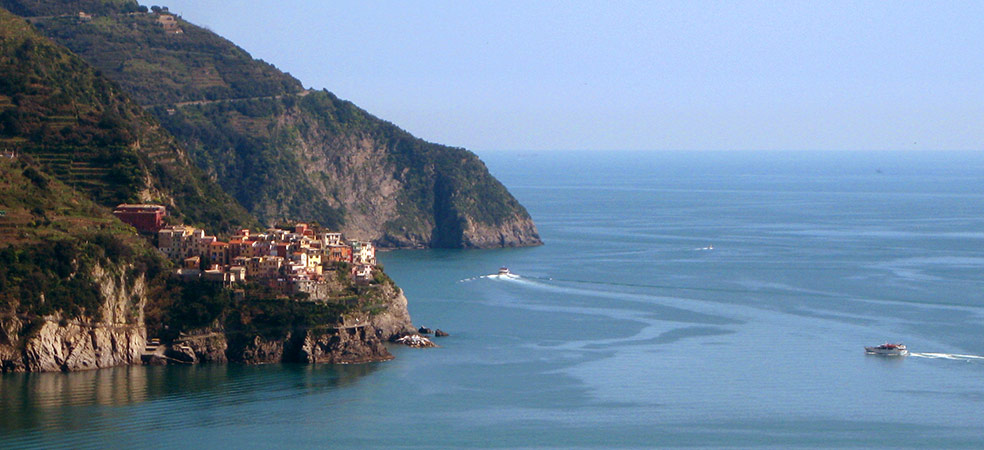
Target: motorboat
x: 503, y: 270
x: 887, y: 349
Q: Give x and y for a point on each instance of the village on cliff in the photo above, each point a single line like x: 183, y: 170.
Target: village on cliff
x: 290, y: 260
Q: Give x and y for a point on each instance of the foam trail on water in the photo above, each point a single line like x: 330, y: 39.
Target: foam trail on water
x: 950, y: 356
x: 493, y: 276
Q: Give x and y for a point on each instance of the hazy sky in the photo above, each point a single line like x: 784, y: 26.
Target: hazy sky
x: 545, y: 75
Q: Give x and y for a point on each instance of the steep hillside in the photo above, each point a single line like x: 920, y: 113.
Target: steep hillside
x: 285, y: 153
x: 86, y: 132
x: 73, y: 279
x: 81, y: 290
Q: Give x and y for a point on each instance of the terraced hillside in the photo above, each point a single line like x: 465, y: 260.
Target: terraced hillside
x: 281, y: 151
x: 81, y: 128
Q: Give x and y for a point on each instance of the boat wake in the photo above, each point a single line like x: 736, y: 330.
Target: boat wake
x: 950, y: 356
x: 493, y: 276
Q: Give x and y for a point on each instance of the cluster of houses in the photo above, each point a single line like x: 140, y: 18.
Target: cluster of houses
x: 293, y: 260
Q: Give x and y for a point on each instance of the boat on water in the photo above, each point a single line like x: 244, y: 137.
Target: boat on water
x: 503, y: 270
x: 887, y: 349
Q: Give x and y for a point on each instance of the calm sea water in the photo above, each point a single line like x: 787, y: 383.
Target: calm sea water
x: 681, y: 299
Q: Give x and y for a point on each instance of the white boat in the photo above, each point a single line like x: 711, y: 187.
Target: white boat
x: 503, y: 270
x: 887, y: 349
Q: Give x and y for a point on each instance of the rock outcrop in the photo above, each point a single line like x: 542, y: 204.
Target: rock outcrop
x: 359, y: 338
x: 47, y: 344
x: 394, y: 319
x: 342, y: 346
x: 52, y: 343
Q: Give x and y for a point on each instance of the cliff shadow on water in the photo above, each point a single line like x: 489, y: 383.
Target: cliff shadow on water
x: 35, y: 395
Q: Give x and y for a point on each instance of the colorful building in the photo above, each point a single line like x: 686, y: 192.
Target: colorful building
x: 147, y: 218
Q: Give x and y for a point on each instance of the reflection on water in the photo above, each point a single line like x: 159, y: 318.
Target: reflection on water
x: 35, y: 402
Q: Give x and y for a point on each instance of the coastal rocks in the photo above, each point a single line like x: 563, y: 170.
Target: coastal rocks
x: 357, y: 339
x: 394, y: 320
x: 181, y: 353
x: 257, y: 350
x: 437, y: 333
x: 208, y: 347
x: 353, y: 345
x: 54, y: 343
x: 78, y: 346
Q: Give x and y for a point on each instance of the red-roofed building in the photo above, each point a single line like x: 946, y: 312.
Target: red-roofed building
x: 300, y: 228
x: 149, y: 218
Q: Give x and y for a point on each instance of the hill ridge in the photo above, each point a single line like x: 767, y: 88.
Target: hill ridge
x: 294, y: 157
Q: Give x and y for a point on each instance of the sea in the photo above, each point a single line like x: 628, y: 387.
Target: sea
x: 680, y: 299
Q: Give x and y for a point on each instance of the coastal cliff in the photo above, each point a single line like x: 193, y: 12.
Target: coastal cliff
x: 119, y: 336
x: 351, y: 171
x: 55, y: 343
x: 356, y: 338
x: 80, y: 290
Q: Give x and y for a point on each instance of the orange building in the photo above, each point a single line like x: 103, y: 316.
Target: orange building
x: 339, y: 253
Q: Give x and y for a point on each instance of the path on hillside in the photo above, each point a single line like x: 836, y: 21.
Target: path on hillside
x: 229, y: 100
x: 76, y: 16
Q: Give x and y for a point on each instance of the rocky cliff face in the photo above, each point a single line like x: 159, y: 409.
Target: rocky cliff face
x: 394, y: 320
x: 316, y: 156
x: 50, y: 343
x: 358, y: 339
x: 515, y: 231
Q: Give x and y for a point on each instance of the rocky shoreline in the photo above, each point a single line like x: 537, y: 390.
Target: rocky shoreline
x: 53, y: 344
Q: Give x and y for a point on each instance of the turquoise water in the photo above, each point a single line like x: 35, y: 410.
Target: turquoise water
x: 681, y: 299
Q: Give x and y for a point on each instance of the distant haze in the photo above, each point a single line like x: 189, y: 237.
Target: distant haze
x: 555, y: 75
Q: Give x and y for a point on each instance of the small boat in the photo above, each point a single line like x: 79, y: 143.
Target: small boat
x: 887, y: 349
x: 503, y: 270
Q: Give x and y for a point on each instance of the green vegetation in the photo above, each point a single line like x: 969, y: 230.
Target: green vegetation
x: 284, y: 153
x: 51, y: 240
x: 83, y: 130
x: 252, y: 159
x: 272, y: 318
x: 258, y: 310
x: 83, y: 145
x: 30, y: 8
x: 159, y: 68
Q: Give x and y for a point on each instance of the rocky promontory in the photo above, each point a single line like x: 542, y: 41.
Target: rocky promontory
x: 51, y: 344
x: 54, y: 343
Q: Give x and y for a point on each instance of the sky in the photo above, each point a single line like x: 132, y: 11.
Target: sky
x: 625, y: 75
